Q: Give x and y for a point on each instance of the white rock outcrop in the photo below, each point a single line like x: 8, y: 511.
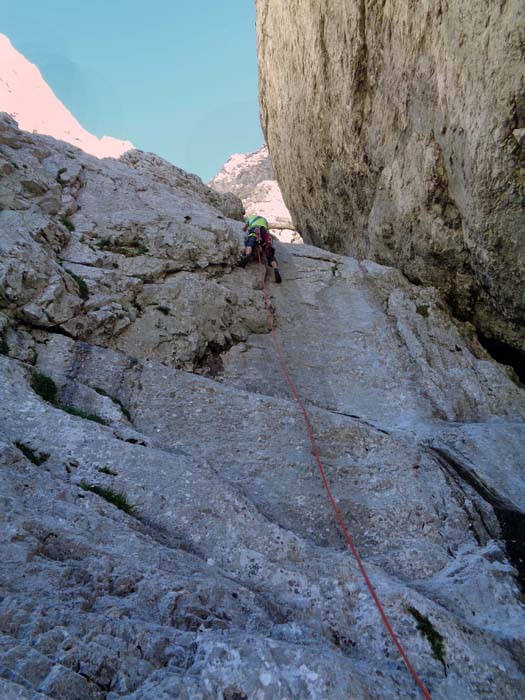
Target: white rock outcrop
x: 26, y: 96
x: 395, y: 131
x: 242, y: 172
x: 166, y: 534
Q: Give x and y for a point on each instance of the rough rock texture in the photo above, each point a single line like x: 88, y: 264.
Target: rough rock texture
x: 124, y: 234
x: 229, y: 579
x: 396, y: 130
x: 250, y: 177
x: 242, y: 172
x: 26, y: 96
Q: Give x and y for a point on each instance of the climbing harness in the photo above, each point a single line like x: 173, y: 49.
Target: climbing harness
x: 337, y: 512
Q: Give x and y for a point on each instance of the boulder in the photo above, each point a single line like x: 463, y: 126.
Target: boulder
x: 395, y: 135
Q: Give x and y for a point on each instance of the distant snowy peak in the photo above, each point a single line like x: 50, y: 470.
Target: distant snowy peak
x: 250, y: 176
x: 25, y: 95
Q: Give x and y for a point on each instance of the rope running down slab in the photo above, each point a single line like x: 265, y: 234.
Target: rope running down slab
x: 337, y: 512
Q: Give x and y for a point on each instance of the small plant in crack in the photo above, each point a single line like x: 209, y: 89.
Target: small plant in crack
x: 335, y: 269
x: 434, y: 638
x: 4, y: 347
x: 46, y: 388
x: 67, y: 223
x: 124, y: 410
x: 83, y: 414
x: 130, y: 250
x: 83, y: 290
x: 58, y: 177
x: 37, y: 458
x: 107, y: 470
x: 119, y: 403
x: 119, y: 500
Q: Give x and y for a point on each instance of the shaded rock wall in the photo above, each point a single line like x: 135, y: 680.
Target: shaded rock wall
x: 396, y: 131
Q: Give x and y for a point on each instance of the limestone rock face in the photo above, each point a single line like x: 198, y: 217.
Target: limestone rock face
x: 165, y: 530
x: 242, y: 172
x: 118, y: 230
x: 250, y: 177
x: 396, y: 133
x: 26, y: 96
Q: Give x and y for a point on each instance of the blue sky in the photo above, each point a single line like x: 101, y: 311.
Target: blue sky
x: 176, y: 77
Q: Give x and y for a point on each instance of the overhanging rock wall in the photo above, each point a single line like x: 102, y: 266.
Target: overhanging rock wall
x: 397, y: 133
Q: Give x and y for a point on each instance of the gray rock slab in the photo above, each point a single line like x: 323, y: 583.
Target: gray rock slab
x: 165, y: 532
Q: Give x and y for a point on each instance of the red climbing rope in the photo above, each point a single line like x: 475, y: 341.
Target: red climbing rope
x: 337, y: 512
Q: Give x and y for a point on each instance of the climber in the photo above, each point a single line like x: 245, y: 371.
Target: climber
x: 258, y: 235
